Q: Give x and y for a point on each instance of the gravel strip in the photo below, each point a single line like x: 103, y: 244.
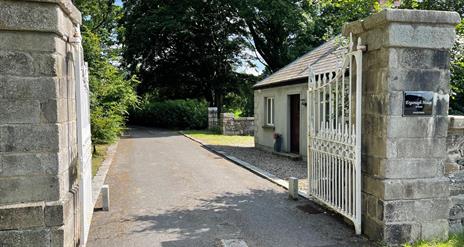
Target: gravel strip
x: 282, y: 167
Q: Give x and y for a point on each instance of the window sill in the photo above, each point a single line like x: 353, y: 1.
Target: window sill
x: 269, y: 127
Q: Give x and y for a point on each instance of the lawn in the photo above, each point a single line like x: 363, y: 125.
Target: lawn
x: 212, y: 138
x: 98, y: 157
x: 456, y: 240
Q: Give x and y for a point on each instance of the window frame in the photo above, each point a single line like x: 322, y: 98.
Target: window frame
x: 269, y: 111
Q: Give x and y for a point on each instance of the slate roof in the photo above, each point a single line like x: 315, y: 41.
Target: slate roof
x: 325, y: 58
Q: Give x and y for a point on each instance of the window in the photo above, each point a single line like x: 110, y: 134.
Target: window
x: 269, y: 111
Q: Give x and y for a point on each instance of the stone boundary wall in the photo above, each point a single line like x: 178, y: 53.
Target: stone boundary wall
x: 228, y: 124
x: 231, y: 125
x: 454, y: 169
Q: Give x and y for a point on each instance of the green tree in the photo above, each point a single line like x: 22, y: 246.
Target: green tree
x: 183, y: 48
x: 282, y: 30
x: 111, y: 92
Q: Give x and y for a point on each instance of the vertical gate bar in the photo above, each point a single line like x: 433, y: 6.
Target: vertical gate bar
x: 337, y: 180
x: 313, y: 131
x: 326, y: 173
x: 331, y: 175
x: 321, y: 156
x: 322, y: 175
x: 323, y: 160
x: 345, y: 186
x: 319, y: 175
x: 329, y: 168
x: 336, y: 101
x: 343, y: 97
x: 338, y: 170
x: 316, y: 171
x: 350, y: 192
x: 324, y: 180
x: 313, y: 165
x: 327, y: 179
x: 353, y: 210
x: 349, y: 92
x: 308, y: 130
x: 333, y: 179
x: 324, y: 107
x: 358, y: 58
x: 316, y: 128
x: 345, y: 177
x: 333, y: 165
x: 330, y: 102
x: 342, y: 191
x: 318, y: 105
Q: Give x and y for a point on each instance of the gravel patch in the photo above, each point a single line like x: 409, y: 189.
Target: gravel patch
x: 282, y: 167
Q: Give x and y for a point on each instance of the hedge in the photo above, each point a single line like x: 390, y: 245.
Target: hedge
x: 172, y: 114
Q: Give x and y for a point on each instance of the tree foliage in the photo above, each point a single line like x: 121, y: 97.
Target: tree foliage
x: 280, y: 30
x: 183, y: 48
x: 111, y: 93
x: 283, y: 30
x: 173, y: 114
x: 192, y: 48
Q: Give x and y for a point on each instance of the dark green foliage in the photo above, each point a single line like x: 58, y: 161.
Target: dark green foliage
x: 241, y: 100
x: 184, y: 48
x: 281, y: 30
x: 173, y: 114
x: 457, y: 73
x: 111, y: 96
x: 333, y: 14
x: 112, y: 90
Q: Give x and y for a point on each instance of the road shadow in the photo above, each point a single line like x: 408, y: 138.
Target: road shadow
x: 260, y: 217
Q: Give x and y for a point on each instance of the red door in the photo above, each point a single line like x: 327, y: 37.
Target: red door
x: 295, y: 123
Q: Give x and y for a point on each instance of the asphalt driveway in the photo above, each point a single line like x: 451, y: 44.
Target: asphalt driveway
x: 167, y: 190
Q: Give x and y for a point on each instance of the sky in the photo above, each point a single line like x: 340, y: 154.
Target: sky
x: 118, y: 2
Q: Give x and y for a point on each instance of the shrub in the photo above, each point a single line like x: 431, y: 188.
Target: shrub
x: 173, y: 114
x: 111, y: 97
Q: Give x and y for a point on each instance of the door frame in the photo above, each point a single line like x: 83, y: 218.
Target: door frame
x: 289, y: 121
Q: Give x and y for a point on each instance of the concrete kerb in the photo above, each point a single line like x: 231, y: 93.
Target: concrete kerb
x: 99, y: 180
x: 260, y: 172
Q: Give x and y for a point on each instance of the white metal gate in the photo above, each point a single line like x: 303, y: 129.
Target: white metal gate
x: 334, y: 136
x: 83, y: 140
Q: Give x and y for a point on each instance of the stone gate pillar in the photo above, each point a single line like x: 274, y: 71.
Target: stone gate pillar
x: 213, y: 118
x: 38, y: 159
x: 405, y: 194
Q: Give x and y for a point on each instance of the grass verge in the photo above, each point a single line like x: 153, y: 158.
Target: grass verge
x: 212, y: 138
x: 456, y: 240
x: 98, y: 157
